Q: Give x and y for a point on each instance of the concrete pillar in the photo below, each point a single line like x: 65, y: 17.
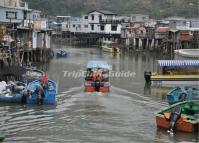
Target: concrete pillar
x: 140, y: 44
x: 152, y: 44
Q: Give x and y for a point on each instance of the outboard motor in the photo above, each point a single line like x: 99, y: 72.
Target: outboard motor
x: 175, y: 115
x: 147, y: 76
x: 97, y: 85
x: 182, y: 96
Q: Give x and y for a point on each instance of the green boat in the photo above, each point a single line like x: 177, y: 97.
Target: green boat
x: 180, y: 94
x: 2, y: 137
x: 182, y: 116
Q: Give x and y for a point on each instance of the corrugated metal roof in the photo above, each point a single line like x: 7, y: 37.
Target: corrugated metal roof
x: 178, y: 62
x: 103, y: 12
x: 98, y: 64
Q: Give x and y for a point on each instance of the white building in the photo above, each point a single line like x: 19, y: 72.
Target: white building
x: 72, y: 24
x: 99, y: 21
x: 16, y: 11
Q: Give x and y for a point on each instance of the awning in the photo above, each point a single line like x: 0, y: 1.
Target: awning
x: 167, y: 63
x: 98, y: 64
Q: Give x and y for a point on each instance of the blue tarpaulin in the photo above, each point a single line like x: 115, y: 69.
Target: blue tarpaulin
x: 98, y: 64
x: 163, y: 63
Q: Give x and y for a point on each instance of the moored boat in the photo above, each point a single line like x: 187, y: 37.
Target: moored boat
x: 2, y: 137
x: 97, y: 77
x: 49, y: 90
x: 180, y: 94
x: 61, y: 53
x: 183, y: 116
x: 11, y: 92
x: 37, y: 92
x: 174, y: 72
x: 109, y: 46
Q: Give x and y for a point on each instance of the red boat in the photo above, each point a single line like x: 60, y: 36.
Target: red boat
x: 97, y: 77
x: 187, y: 120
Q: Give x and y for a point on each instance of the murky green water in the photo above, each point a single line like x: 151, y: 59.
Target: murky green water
x: 126, y: 115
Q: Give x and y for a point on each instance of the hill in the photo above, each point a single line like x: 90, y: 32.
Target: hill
x: 154, y: 8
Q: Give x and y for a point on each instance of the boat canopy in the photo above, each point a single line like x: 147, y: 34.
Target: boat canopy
x: 98, y: 64
x: 167, y: 63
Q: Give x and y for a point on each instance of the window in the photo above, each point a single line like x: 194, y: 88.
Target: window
x: 25, y: 15
x: 92, y: 27
x: 11, y: 15
x: 102, y: 27
x: 113, y: 28
x: 73, y: 25
x: 85, y: 17
x: 100, y: 17
x: 93, y: 17
x: 85, y: 26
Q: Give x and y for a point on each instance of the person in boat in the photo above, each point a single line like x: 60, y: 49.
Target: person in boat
x: 40, y: 95
x: 44, y: 82
x: 89, y: 75
x: 97, y: 74
x: 97, y: 78
x: 25, y: 95
x: 97, y: 84
x: 115, y: 49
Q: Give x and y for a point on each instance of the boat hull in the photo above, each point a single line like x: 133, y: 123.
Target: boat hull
x: 111, y: 50
x: 186, y: 114
x: 50, y: 93
x: 90, y: 87
x: 181, y: 125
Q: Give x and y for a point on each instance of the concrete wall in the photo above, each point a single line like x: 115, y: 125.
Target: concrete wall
x: 11, y: 14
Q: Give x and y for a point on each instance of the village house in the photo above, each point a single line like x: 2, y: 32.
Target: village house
x: 26, y: 30
x: 105, y: 22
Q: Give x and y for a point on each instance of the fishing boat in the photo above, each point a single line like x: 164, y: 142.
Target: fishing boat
x: 180, y: 94
x: 174, y: 72
x: 50, y: 92
x: 2, y: 137
x: 15, y: 96
x: 109, y: 46
x: 61, y: 53
x: 11, y: 92
x: 182, y: 116
x: 97, y: 77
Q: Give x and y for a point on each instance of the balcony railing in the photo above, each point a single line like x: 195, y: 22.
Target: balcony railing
x: 112, y: 21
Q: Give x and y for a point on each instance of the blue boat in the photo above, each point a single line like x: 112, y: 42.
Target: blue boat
x: 180, y: 94
x: 61, y: 53
x: 12, y: 94
x: 50, y: 93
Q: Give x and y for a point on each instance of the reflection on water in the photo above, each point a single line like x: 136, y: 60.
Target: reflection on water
x: 125, y: 115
